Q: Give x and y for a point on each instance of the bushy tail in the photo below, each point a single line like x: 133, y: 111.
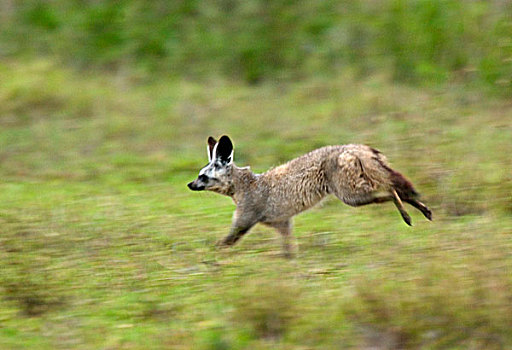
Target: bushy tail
x: 408, y: 194
x: 399, y: 183
x: 403, y: 190
x: 402, y: 186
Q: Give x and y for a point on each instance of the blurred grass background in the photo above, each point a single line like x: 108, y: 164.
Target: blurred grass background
x: 105, y: 107
x: 420, y: 41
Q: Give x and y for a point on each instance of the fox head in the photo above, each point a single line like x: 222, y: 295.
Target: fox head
x: 216, y: 176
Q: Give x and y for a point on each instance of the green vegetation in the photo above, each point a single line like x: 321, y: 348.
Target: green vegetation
x: 105, y: 108
x: 421, y: 41
x: 103, y: 246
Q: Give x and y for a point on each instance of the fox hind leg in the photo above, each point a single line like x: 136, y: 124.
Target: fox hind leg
x: 289, y: 245
x: 421, y: 207
x: 400, y: 207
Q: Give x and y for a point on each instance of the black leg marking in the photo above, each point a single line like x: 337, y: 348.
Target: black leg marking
x: 234, y: 236
x: 421, y: 207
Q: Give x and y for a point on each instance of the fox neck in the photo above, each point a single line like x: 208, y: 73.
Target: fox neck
x: 242, y: 180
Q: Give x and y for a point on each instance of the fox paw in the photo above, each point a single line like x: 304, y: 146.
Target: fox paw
x: 224, y: 243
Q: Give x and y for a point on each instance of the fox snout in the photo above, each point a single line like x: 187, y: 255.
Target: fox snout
x: 194, y: 186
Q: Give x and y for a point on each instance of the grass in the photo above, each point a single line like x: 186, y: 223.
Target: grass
x: 103, y: 247
x: 419, y: 41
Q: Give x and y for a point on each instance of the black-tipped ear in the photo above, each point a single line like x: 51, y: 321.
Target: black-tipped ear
x: 224, y: 151
x: 211, y: 145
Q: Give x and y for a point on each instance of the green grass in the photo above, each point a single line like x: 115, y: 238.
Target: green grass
x: 103, y: 247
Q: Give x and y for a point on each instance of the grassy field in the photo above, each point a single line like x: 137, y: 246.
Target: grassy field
x: 102, y: 246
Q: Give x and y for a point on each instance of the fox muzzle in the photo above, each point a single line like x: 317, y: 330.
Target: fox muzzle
x: 194, y: 187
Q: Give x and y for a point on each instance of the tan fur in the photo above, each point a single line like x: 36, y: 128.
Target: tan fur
x: 356, y: 174
x: 301, y: 183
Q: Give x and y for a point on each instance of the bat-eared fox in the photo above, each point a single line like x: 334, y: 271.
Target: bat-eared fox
x: 356, y: 174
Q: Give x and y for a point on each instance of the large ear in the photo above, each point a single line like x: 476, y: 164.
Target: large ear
x: 211, y: 144
x: 223, y: 151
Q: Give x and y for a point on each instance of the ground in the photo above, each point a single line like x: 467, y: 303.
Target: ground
x: 102, y: 245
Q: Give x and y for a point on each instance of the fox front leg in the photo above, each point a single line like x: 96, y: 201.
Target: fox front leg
x: 241, y: 225
x: 234, y: 235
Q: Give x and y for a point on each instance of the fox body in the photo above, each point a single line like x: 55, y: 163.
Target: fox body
x: 356, y: 174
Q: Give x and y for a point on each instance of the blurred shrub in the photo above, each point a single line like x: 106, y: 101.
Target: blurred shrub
x: 420, y: 40
x: 26, y: 279
x: 30, y: 288
x: 266, y: 307
x: 447, y: 306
